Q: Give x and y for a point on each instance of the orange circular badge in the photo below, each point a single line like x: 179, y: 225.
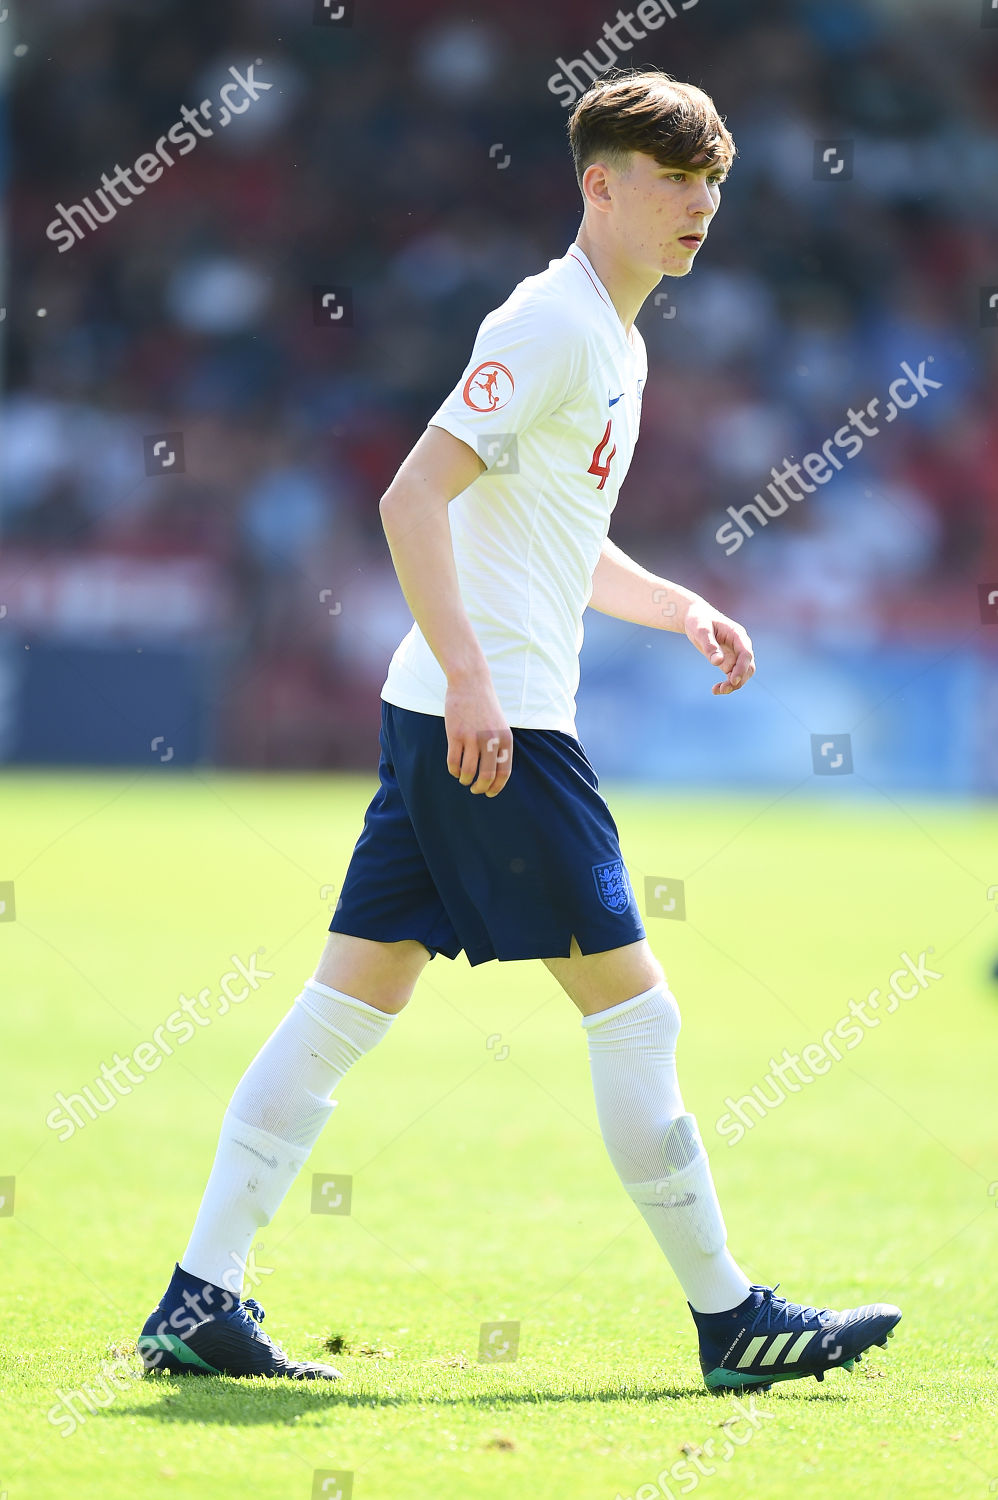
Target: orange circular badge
x: 488, y: 388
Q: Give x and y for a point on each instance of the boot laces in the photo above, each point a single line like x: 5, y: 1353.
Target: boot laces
x: 777, y: 1312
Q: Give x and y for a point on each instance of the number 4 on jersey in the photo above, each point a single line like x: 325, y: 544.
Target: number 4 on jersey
x: 597, y: 466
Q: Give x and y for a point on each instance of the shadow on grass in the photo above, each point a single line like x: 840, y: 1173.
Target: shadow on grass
x: 212, y: 1398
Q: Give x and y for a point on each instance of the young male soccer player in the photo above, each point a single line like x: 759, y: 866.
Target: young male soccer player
x: 488, y: 832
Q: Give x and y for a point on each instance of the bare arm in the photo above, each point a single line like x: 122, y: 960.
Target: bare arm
x: 414, y: 516
x: 625, y: 590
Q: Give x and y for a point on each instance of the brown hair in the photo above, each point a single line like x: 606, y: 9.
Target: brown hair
x: 647, y: 111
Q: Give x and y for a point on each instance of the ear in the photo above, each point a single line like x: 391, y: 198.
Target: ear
x: 596, y: 186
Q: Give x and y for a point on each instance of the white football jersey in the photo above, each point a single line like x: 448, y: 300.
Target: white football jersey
x: 550, y: 401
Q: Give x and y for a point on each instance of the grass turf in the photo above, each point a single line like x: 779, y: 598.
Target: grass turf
x: 481, y: 1190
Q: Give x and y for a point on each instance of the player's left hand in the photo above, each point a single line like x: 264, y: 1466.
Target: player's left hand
x: 723, y: 642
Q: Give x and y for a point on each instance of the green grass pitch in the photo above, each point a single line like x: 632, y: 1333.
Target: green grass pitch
x: 480, y: 1188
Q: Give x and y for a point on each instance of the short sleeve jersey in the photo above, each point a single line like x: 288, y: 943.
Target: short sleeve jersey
x: 550, y: 401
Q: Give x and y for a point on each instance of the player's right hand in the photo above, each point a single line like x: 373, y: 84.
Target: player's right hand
x: 479, y: 741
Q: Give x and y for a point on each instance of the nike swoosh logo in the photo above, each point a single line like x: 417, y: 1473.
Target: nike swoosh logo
x: 270, y: 1161
x: 615, y: 399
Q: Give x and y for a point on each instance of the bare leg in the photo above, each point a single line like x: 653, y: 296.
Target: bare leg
x: 381, y: 974
x: 595, y: 981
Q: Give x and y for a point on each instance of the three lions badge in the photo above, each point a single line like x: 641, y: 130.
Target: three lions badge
x: 612, y: 885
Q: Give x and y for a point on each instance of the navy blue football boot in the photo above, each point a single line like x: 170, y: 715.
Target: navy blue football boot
x: 201, y: 1329
x: 766, y: 1338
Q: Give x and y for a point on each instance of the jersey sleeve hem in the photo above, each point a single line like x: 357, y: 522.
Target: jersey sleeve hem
x: 457, y: 428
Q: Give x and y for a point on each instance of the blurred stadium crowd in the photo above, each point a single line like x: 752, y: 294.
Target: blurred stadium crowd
x: 375, y: 162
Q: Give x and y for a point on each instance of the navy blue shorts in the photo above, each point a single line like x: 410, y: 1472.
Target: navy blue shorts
x: 508, y: 877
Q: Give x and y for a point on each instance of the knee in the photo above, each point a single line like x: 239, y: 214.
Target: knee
x: 671, y: 1017
x: 649, y: 972
x: 649, y: 1020
x: 383, y: 975
x: 658, y: 1019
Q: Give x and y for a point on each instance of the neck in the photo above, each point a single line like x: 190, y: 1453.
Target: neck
x: 626, y: 286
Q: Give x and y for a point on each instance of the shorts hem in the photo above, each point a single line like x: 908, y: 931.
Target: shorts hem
x: 541, y: 949
x: 352, y: 929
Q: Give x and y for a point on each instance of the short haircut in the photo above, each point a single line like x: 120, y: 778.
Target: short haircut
x: 647, y: 110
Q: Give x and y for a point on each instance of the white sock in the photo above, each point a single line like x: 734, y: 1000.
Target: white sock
x: 277, y: 1113
x: 655, y: 1145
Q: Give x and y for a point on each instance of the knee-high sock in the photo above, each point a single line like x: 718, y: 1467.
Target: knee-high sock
x: 655, y: 1145
x: 277, y: 1113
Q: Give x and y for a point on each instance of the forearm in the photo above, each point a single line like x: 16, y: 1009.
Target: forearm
x: 419, y: 538
x: 625, y: 590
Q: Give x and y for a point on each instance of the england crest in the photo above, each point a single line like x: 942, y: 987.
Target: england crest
x: 612, y: 885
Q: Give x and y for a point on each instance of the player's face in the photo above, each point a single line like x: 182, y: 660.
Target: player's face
x: 663, y: 213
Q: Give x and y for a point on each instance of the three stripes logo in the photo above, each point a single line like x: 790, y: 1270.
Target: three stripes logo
x: 785, y: 1349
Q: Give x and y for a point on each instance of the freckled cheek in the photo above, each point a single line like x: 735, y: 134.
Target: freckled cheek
x: 660, y: 226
